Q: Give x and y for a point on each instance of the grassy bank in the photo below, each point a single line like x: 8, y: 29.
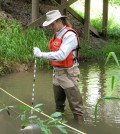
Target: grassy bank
x: 95, y: 52
x: 16, y: 43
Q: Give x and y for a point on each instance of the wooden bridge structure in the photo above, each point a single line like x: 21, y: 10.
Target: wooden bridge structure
x: 63, y: 6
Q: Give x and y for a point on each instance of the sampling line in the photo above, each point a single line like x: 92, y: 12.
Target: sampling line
x: 41, y: 112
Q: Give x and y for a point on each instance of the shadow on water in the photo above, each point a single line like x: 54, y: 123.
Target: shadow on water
x: 95, y: 82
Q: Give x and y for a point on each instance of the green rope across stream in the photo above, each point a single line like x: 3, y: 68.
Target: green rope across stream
x: 40, y: 112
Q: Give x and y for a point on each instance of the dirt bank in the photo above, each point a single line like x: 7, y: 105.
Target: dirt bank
x: 19, y: 10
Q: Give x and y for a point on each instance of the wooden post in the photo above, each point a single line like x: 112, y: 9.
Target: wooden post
x: 40, y: 20
x: 87, y: 20
x: 35, y: 10
x: 105, y: 18
x: 64, y: 10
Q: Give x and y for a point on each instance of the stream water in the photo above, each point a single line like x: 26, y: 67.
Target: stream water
x: 95, y: 82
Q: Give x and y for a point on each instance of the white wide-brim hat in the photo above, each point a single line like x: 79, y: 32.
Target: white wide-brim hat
x: 51, y: 16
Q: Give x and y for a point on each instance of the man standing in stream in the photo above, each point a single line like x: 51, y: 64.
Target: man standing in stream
x: 63, y: 57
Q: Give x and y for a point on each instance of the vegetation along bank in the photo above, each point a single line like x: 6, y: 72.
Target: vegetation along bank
x: 17, y: 42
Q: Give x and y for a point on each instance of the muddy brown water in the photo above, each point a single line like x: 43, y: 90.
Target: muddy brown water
x: 95, y: 82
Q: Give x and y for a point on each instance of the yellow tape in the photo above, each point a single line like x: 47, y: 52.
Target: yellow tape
x: 40, y: 112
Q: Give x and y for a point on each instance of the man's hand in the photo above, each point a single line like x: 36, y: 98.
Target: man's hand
x: 37, y: 52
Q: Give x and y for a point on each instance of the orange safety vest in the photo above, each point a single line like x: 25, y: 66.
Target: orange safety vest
x: 54, y: 45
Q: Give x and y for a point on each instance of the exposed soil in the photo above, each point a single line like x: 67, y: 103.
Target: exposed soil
x: 18, y: 9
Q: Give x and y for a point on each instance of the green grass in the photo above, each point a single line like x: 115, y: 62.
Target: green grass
x: 96, y: 51
x: 16, y: 44
x: 112, y: 47
x: 117, y: 2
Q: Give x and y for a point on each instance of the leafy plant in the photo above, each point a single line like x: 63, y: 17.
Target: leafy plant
x: 44, y: 125
x: 111, y: 54
x: 100, y: 101
x: 6, y: 108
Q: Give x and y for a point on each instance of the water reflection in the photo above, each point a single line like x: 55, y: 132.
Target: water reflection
x: 95, y: 82
x: 93, y: 86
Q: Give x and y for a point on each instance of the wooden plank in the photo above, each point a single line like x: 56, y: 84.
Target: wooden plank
x: 94, y: 31
x: 79, y: 18
x: 35, y: 10
x: 105, y: 18
x: 65, y: 4
x: 87, y: 20
x: 45, y: 8
x: 40, y: 20
x: 64, y: 10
